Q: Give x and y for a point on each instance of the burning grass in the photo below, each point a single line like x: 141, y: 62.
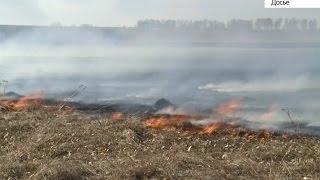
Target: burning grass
x: 28, y: 102
x: 46, y: 143
x: 223, y: 119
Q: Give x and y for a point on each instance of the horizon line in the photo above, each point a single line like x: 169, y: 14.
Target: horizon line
x: 59, y: 24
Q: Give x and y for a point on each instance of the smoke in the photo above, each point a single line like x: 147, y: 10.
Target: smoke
x: 271, y: 85
x: 197, y: 77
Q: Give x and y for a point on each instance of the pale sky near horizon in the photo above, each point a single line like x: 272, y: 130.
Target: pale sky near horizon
x: 127, y: 12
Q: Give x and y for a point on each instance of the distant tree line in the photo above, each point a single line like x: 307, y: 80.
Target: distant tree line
x: 205, y: 30
x: 261, y: 24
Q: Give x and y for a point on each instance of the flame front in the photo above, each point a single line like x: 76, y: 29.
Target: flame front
x: 159, y: 122
x: 270, y: 114
x: 165, y: 121
x: 117, y: 116
x: 229, y: 108
x: 25, y: 102
x: 223, y: 111
x: 211, y: 128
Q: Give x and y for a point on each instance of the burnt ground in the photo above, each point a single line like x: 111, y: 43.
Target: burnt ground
x: 48, y: 144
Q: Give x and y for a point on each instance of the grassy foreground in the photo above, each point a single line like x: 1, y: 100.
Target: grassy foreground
x: 42, y: 144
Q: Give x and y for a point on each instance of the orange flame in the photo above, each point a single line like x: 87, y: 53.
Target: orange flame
x: 229, y: 108
x: 210, y: 129
x: 159, y: 123
x: 224, y: 110
x: 117, y: 116
x: 25, y: 102
x: 184, y: 122
x: 166, y: 121
x: 222, y: 122
x: 270, y: 114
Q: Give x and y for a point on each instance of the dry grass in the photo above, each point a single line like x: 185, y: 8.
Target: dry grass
x: 42, y: 144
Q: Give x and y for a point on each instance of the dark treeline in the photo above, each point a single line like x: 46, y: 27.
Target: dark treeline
x: 262, y: 24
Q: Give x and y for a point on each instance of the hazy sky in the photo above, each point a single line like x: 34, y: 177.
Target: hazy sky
x: 127, y: 12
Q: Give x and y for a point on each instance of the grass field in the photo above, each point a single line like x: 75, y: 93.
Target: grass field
x: 48, y: 144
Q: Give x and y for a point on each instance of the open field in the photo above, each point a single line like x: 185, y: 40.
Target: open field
x: 48, y: 144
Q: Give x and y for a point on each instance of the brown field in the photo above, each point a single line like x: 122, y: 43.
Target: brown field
x: 48, y: 144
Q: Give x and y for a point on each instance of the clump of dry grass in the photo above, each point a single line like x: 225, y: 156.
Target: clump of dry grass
x: 49, y: 144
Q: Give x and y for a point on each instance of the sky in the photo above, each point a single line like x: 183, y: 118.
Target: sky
x: 128, y: 12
